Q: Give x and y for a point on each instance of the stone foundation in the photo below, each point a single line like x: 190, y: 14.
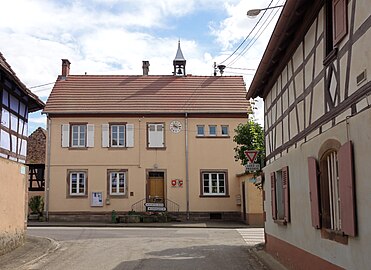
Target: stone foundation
x: 106, y: 216
x: 10, y: 241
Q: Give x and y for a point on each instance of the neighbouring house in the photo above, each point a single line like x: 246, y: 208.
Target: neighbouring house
x: 118, y: 142
x: 16, y: 102
x: 36, y: 149
x: 314, y: 80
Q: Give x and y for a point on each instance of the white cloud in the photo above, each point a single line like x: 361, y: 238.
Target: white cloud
x: 114, y: 36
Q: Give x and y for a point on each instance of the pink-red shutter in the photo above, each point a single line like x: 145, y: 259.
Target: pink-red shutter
x: 273, y: 195
x: 347, y: 189
x: 340, y: 21
x: 286, y: 189
x: 313, y: 192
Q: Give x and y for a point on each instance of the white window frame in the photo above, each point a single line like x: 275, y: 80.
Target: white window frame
x: 218, y: 186
x: 225, y: 128
x: 117, y: 173
x: 78, y: 175
x: 79, y: 135
x: 203, y: 130
x: 212, y: 134
x: 117, y: 136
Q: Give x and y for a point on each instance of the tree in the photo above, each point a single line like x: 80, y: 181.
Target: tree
x: 249, y: 136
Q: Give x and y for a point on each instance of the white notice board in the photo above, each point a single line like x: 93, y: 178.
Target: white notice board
x: 96, y: 199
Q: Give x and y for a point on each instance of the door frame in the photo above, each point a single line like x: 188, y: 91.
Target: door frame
x: 147, y: 183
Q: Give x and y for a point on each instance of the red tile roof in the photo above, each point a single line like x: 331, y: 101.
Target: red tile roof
x: 79, y: 94
x: 35, y: 103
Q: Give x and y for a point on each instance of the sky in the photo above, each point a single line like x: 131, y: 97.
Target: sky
x: 115, y: 36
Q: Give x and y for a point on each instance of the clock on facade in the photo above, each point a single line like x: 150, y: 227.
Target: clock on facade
x: 175, y: 126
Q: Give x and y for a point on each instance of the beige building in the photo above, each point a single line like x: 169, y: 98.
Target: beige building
x: 118, y: 142
x: 313, y: 78
x: 16, y: 102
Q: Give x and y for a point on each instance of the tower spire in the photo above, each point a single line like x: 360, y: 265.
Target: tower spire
x: 179, y: 62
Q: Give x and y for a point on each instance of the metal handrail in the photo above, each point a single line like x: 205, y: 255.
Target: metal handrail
x: 139, y: 206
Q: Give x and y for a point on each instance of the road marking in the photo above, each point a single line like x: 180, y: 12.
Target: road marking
x: 252, y: 236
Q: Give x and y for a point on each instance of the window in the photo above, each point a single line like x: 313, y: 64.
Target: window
x: 78, y: 135
x: 280, y: 201
x: 225, y: 130
x: 77, y: 183
x: 212, y: 130
x: 200, y: 130
x: 117, y: 182
x: 332, y: 190
x: 117, y: 135
x: 335, y: 23
x: 156, y: 135
x: 214, y: 183
x: 13, y: 124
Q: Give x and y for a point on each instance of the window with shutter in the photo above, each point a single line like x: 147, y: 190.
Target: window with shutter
x: 347, y: 190
x: 286, y: 197
x: 273, y: 196
x: 339, y: 11
x: 155, y: 135
x: 313, y: 192
x: 333, y: 199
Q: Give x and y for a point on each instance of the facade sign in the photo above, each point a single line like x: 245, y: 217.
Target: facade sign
x: 96, y: 199
x: 156, y: 209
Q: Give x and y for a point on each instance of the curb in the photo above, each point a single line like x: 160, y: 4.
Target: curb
x: 266, y: 258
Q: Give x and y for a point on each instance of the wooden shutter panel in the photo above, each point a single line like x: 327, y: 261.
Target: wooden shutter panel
x: 313, y: 192
x: 273, y: 195
x: 129, y: 135
x: 286, y: 189
x: 90, y: 135
x: 65, y: 135
x: 105, y: 135
x: 347, y: 189
x: 340, y: 21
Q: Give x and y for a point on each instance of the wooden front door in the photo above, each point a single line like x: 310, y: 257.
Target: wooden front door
x: 156, y: 187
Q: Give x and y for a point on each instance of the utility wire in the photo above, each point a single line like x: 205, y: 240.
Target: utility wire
x: 256, y: 36
x: 247, y: 35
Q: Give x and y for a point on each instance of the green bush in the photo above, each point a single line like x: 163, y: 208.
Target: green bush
x: 36, y: 205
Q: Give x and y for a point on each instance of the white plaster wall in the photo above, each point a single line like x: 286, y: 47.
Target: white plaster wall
x: 299, y: 231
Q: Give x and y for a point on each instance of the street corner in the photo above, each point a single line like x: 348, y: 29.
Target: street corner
x: 33, y: 250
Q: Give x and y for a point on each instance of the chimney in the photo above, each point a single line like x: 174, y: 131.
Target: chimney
x: 65, y: 68
x: 145, y: 67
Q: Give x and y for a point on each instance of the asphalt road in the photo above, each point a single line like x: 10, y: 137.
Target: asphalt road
x: 146, y: 248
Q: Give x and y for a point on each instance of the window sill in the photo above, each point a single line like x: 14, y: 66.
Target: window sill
x: 330, y: 57
x: 214, y: 196
x: 113, y: 196
x: 280, y: 222
x: 77, y: 148
x: 117, y: 148
x: 76, y: 196
x: 336, y: 236
x: 156, y: 148
x: 218, y: 137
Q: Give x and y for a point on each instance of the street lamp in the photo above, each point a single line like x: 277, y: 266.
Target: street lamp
x: 255, y: 12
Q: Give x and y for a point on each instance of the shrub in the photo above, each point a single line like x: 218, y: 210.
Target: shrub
x: 36, y: 205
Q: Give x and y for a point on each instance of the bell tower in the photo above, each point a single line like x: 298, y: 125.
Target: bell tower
x: 179, y: 63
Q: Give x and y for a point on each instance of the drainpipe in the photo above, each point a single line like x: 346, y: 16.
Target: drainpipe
x: 47, y: 180
x: 186, y: 163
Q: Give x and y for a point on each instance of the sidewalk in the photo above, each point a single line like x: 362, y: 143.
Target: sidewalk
x: 33, y: 250
x: 208, y: 224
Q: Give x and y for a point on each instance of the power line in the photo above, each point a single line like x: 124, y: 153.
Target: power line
x: 247, y: 35
x: 45, y: 84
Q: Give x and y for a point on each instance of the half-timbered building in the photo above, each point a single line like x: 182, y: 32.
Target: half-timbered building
x: 16, y: 101
x: 314, y: 80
